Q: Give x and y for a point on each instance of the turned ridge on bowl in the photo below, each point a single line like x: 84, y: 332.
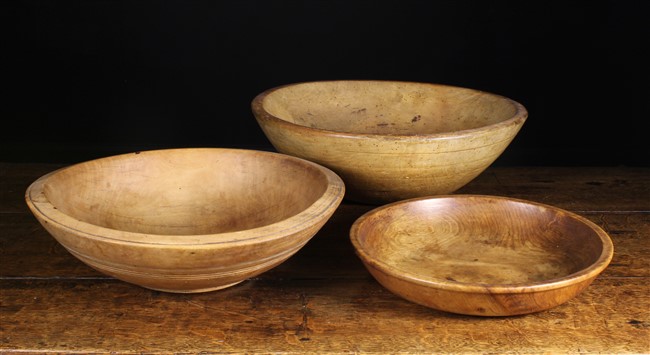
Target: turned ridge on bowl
x: 390, y: 140
x: 186, y: 220
x: 481, y: 255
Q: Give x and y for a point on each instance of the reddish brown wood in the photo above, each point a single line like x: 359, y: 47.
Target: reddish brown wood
x: 481, y: 255
x: 587, y: 189
x: 305, y: 316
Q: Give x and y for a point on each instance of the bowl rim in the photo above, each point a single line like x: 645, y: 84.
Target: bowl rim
x: 582, y: 275
x: 257, y: 105
x: 322, y: 206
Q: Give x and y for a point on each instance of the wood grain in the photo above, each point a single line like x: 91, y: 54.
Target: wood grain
x: 186, y: 220
x: 306, y: 316
x: 322, y: 300
x: 479, y: 254
x: 390, y: 140
x: 587, y: 189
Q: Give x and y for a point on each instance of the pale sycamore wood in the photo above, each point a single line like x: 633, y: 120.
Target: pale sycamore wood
x: 390, y: 140
x: 186, y: 220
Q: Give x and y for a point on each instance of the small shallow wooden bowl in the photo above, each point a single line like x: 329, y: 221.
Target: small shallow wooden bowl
x: 186, y: 220
x: 390, y: 140
x: 481, y: 255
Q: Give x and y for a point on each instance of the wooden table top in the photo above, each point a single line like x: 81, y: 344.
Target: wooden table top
x: 322, y: 300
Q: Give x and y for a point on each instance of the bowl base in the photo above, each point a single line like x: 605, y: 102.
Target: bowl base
x: 198, y: 290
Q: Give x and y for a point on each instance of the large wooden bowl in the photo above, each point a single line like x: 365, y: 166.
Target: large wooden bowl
x: 481, y: 255
x: 390, y: 140
x: 186, y: 220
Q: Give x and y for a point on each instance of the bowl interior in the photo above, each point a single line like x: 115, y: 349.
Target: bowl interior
x: 385, y: 107
x: 186, y: 191
x: 479, y: 240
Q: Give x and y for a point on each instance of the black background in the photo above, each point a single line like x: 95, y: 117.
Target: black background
x: 87, y: 79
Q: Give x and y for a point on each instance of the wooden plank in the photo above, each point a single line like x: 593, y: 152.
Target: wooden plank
x: 570, y: 188
x: 307, y: 316
x: 27, y: 250
x: 630, y: 234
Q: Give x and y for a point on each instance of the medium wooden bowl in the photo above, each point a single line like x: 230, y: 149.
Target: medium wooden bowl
x: 186, y: 220
x: 481, y: 255
x: 390, y: 140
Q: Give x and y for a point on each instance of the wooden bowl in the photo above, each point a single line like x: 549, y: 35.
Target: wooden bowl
x: 186, y: 220
x: 481, y: 255
x: 390, y: 140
